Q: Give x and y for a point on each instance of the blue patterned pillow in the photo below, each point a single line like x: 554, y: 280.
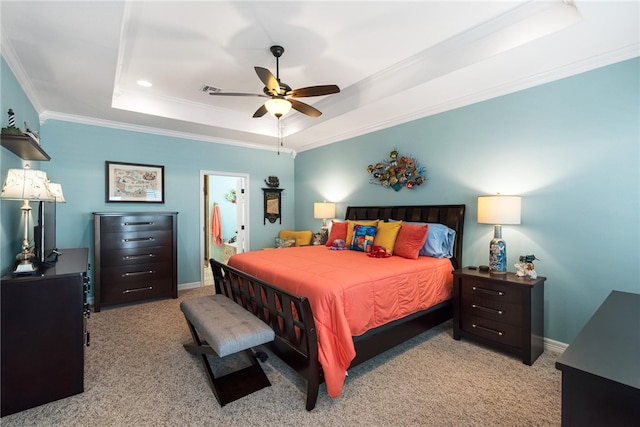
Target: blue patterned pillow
x: 363, y: 237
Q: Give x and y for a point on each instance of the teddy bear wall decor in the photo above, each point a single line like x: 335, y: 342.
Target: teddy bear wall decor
x: 397, y: 172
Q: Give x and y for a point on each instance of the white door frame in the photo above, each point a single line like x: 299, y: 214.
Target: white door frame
x: 203, y: 220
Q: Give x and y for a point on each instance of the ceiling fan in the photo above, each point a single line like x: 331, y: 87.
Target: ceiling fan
x: 281, y: 96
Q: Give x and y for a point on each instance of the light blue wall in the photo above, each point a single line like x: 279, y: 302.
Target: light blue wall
x: 571, y: 148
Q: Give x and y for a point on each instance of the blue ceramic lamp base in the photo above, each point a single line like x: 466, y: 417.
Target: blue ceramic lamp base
x: 497, y: 252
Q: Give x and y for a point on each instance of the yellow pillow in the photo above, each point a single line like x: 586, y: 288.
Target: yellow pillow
x: 302, y: 237
x: 350, y: 225
x: 386, y: 235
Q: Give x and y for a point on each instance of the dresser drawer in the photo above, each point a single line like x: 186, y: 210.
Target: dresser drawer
x: 121, y: 292
x: 495, y: 331
x: 135, y: 256
x: 127, y: 223
x: 124, y: 274
x: 488, y: 308
x: 135, y: 239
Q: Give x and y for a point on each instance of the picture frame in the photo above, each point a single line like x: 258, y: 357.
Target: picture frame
x: 134, y: 183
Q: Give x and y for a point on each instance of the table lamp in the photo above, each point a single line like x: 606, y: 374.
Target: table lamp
x: 324, y: 211
x: 26, y: 185
x: 498, y: 210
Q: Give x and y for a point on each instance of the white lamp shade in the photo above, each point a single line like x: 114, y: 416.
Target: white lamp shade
x: 55, y: 190
x: 26, y: 184
x: 499, y: 209
x: 324, y: 210
x: 278, y: 107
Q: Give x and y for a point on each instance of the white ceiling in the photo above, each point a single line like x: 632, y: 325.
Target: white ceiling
x: 394, y: 61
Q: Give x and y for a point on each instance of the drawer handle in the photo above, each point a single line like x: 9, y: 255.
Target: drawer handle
x: 488, y: 291
x: 139, y: 223
x: 138, y: 273
x: 128, y: 291
x: 139, y: 239
x: 491, y: 310
x: 488, y: 329
x: 139, y: 256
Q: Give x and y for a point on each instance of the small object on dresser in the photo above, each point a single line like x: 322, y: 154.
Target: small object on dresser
x: 484, y: 268
x: 525, y: 267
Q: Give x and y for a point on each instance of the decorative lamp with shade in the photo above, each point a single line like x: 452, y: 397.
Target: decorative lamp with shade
x: 498, y: 210
x: 26, y: 185
x: 324, y: 210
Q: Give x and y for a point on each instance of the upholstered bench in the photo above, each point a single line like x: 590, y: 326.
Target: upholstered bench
x: 221, y: 327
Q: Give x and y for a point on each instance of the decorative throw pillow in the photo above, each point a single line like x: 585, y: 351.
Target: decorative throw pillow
x: 338, y: 232
x: 363, y: 236
x: 387, y: 234
x: 285, y: 243
x: 440, y: 240
x: 410, y: 240
x: 351, y: 224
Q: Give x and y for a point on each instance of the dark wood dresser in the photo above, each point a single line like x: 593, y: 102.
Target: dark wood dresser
x: 135, y: 257
x: 501, y: 310
x: 43, y: 333
x: 601, y: 367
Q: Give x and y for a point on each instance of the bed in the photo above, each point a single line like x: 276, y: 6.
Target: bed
x: 310, y: 308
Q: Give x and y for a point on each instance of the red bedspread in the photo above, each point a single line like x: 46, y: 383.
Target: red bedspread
x: 349, y: 293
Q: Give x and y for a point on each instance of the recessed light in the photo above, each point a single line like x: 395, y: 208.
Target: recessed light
x: 144, y: 83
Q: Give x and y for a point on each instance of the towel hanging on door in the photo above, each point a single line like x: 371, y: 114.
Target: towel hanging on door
x: 216, y: 226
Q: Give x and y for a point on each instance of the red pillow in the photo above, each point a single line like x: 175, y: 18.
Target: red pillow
x: 410, y: 240
x: 338, y: 231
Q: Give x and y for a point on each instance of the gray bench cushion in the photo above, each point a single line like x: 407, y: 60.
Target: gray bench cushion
x: 226, y: 326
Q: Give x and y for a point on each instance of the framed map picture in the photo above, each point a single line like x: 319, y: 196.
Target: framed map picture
x: 133, y: 182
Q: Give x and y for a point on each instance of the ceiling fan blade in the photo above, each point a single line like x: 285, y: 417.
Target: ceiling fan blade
x: 313, y: 91
x: 269, y: 80
x: 260, y: 111
x: 237, y: 94
x: 304, y: 108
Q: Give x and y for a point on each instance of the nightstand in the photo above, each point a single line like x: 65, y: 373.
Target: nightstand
x: 500, y: 310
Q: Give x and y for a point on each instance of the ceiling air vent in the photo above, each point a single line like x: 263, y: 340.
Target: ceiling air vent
x: 210, y: 89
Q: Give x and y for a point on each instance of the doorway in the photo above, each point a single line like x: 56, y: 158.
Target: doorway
x: 224, y: 218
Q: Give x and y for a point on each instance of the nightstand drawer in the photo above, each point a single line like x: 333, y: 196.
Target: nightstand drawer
x: 494, y: 310
x: 486, y: 290
x: 495, y: 331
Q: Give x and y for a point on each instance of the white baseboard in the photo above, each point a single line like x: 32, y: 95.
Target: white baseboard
x: 192, y: 285
x: 555, y: 346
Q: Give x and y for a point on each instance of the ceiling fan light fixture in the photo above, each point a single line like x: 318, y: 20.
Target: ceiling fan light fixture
x: 278, y: 107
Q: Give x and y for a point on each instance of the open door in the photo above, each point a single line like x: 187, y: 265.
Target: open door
x: 223, y: 195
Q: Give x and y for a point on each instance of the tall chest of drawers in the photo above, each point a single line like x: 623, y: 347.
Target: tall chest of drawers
x: 135, y: 257
x: 500, y: 310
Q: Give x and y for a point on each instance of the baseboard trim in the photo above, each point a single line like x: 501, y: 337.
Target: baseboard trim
x: 192, y: 285
x: 555, y: 346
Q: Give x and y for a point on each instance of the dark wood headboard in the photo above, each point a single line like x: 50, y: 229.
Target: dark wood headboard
x: 450, y: 215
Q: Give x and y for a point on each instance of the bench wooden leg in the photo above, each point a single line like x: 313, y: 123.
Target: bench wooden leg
x: 234, y: 385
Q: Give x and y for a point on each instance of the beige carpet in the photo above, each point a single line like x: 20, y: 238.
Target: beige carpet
x: 138, y: 374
